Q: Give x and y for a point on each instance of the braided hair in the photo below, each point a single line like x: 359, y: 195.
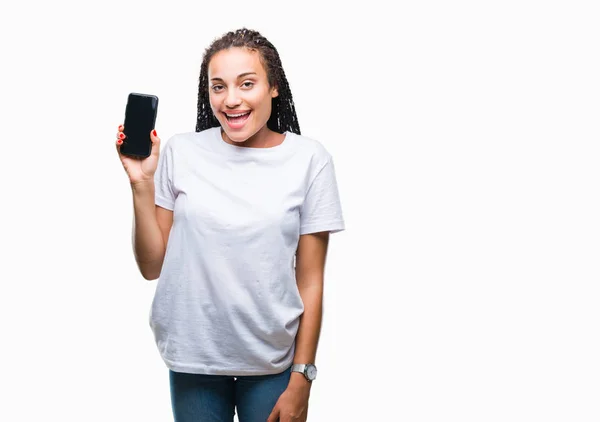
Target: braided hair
x: 283, y: 113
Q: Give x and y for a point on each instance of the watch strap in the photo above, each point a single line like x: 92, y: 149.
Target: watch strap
x: 298, y: 367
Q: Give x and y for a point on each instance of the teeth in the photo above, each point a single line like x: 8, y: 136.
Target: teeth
x: 238, y: 115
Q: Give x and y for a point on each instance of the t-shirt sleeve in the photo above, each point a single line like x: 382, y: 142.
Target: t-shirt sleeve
x: 322, y: 210
x: 164, y: 195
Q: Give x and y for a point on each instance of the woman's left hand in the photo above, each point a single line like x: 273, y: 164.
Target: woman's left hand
x: 292, y: 405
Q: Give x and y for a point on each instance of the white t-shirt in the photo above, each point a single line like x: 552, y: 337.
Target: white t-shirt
x: 227, y: 302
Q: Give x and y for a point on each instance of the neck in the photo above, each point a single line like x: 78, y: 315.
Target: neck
x: 264, y: 138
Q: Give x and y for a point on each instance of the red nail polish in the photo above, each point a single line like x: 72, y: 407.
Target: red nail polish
x: 154, y: 132
x: 121, y: 135
x: 119, y: 142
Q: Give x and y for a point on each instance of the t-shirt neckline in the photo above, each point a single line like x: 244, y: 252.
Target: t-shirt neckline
x: 238, y: 150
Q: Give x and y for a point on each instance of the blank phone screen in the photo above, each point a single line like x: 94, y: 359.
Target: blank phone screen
x: 140, y: 117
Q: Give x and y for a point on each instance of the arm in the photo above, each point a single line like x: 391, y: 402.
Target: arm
x: 310, y: 268
x: 151, y: 227
x: 320, y: 215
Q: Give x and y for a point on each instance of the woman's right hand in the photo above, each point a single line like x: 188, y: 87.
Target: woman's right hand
x: 139, y: 169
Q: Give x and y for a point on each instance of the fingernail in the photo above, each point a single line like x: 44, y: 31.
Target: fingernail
x: 154, y: 132
x: 121, y: 135
x: 120, y: 127
x: 119, y: 142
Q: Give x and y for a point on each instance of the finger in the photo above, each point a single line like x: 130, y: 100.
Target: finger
x: 155, y: 142
x: 121, y: 128
x: 121, y: 135
x: 119, y: 143
x: 274, y: 416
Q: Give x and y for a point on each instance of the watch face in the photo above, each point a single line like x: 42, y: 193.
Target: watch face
x: 311, y: 372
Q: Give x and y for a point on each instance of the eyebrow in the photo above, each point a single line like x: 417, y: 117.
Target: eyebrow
x: 241, y: 75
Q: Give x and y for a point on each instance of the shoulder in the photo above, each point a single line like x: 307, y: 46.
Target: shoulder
x: 312, y: 148
x: 183, y: 140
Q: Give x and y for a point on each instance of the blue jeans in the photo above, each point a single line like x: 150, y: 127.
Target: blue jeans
x: 214, y: 398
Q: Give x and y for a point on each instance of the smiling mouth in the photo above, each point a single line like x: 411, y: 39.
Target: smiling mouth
x: 238, y: 117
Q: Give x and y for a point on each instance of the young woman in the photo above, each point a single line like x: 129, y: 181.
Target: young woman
x: 234, y: 220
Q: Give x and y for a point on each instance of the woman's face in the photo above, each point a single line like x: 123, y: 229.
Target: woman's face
x: 239, y: 92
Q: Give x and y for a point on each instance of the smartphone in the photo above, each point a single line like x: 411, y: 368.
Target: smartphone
x: 140, y: 117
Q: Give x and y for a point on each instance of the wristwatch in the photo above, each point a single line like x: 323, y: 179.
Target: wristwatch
x: 308, y: 370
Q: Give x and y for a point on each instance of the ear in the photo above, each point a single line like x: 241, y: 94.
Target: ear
x: 274, y: 92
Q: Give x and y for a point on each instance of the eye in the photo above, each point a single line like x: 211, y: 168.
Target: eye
x: 248, y: 84
x: 217, y: 88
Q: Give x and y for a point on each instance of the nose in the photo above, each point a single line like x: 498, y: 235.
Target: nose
x: 233, y: 99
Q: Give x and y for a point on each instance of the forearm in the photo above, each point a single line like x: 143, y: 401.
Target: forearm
x: 148, y: 243
x: 307, y: 338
